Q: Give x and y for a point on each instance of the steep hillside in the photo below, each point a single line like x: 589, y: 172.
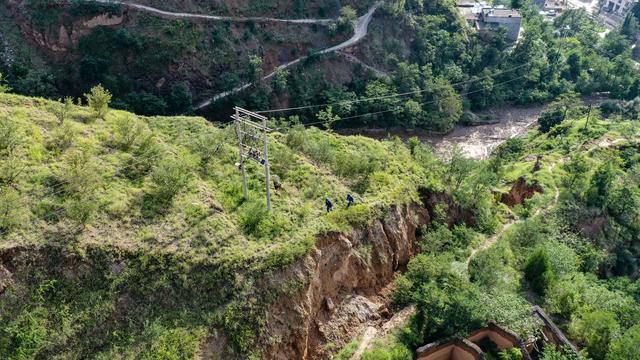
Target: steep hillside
x: 134, y: 230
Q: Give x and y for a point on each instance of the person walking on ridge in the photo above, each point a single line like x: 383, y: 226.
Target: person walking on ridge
x: 350, y: 200
x: 329, y: 204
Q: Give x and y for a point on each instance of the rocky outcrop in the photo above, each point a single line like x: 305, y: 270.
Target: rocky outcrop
x: 340, y: 274
x: 521, y: 191
x: 59, y: 40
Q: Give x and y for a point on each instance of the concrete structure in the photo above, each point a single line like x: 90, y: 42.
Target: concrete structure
x: 458, y: 348
x: 619, y: 7
x: 469, y: 348
x: 492, y: 18
x: 486, y: 18
x: 455, y: 348
x: 551, y: 333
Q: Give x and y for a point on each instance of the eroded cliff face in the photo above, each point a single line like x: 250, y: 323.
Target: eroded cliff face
x: 341, y: 286
x: 343, y: 277
x: 58, y: 40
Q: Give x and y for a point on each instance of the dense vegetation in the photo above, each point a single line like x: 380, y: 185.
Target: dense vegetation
x: 576, y: 254
x: 131, y: 238
x: 134, y: 229
x: 424, y: 47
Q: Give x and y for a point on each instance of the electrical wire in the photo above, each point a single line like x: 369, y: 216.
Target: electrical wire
x: 399, y: 107
x: 345, y: 102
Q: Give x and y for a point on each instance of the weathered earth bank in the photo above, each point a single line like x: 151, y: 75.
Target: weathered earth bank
x: 343, y: 282
x: 346, y: 278
x: 342, y: 273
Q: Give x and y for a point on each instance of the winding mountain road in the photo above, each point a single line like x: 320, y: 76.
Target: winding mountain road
x: 359, y: 33
x: 181, y: 15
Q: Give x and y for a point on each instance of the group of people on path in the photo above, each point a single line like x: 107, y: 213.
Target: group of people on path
x: 329, y: 204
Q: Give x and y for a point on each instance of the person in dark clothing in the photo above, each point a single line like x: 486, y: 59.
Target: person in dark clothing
x: 350, y: 200
x: 329, y: 204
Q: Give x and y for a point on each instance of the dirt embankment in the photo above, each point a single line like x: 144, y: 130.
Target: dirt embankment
x: 521, y: 191
x: 345, y: 281
x: 346, y: 276
x: 343, y: 276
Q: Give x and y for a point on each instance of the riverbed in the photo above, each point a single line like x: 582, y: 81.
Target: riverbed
x: 474, y: 141
x: 478, y: 141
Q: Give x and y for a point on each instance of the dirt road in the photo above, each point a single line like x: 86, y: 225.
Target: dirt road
x: 181, y: 15
x: 360, y: 32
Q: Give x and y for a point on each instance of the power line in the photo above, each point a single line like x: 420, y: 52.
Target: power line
x: 399, y: 107
x: 345, y: 102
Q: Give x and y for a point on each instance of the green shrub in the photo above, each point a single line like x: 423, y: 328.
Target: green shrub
x: 11, y: 167
x: 171, y: 344
x: 63, y: 110
x: 26, y: 335
x: 98, y: 100
x: 11, y: 135
x: 627, y: 346
x: 550, y: 118
x: 81, y: 209
x: 4, y: 88
x: 143, y: 157
x: 538, y: 271
x: 10, y: 205
x: 169, y: 177
x: 63, y: 137
x: 127, y: 130
x: 511, y: 149
x: 394, y: 352
x: 251, y: 214
x: 79, y: 174
x: 595, y: 331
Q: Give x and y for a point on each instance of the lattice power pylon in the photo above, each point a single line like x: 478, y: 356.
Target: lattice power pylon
x: 253, y: 144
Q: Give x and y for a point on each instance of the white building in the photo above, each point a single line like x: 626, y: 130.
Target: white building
x: 619, y: 7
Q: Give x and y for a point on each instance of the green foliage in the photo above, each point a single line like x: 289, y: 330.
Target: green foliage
x: 181, y: 100
x: 144, y: 103
x: 347, y: 20
x: 552, y: 353
x: 4, y: 88
x: 396, y: 352
x: 511, y: 149
x: 595, y: 331
x: 255, y: 68
x: 170, y: 176
x: 63, y: 111
x: 550, y: 118
x: 26, y: 335
x: 441, y: 239
x: 538, y: 271
x: 10, y: 209
x: 626, y: 346
x: 510, y: 354
x: 98, y: 100
x: 64, y: 136
x: 80, y: 179
x: 171, y: 344
x: 11, y: 136
x: 601, y: 185
x: 127, y: 131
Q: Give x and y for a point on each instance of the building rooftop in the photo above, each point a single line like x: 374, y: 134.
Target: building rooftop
x: 505, y: 13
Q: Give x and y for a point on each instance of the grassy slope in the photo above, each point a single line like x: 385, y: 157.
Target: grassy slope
x: 181, y: 265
